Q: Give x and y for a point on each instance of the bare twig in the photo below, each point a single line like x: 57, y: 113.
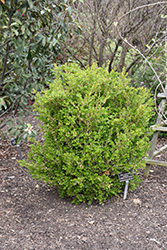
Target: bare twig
x: 141, y: 7
x: 127, y: 42
x: 5, y: 43
x: 75, y: 57
x: 3, y: 169
x: 3, y: 125
x: 132, y: 64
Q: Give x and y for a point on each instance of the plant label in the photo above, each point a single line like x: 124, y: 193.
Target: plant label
x: 125, y: 177
x: 13, y: 142
x: 19, y: 151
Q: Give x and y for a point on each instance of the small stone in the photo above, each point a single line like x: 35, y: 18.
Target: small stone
x: 137, y: 201
x: 91, y: 222
x: 84, y: 238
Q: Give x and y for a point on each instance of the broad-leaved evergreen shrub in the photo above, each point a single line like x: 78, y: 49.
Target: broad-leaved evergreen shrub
x: 95, y: 127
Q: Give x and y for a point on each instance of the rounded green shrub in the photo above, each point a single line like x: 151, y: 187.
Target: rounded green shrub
x: 95, y: 126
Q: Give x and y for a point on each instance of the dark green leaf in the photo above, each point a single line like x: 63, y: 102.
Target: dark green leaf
x: 0, y: 9
x: 29, y: 56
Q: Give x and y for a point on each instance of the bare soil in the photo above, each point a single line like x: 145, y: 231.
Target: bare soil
x: 33, y: 216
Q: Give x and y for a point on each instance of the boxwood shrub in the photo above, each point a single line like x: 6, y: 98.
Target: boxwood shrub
x: 95, y: 126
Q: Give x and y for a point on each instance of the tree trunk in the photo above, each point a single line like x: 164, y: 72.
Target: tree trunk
x: 101, y: 50
x: 123, y: 56
x: 113, y: 55
x: 91, y: 44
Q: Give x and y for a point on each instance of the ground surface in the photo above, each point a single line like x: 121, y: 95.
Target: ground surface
x: 33, y: 216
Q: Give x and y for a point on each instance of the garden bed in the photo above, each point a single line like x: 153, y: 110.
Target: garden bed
x: 33, y: 216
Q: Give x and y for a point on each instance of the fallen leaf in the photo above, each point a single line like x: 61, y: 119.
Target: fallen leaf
x: 91, y: 222
x: 84, y: 238
x: 137, y: 201
x: 107, y: 172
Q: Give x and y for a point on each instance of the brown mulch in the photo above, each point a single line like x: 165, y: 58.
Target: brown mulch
x: 33, y: 216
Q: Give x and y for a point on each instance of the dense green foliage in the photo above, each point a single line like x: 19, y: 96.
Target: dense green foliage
x: 31, y: 33
x: 95, y: 127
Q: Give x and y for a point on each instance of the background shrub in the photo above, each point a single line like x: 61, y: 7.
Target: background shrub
x: 95, y: 127
x: 31, y: 35
x: 144, y: 76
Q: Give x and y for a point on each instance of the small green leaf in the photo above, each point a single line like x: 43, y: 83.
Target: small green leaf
x: 0, y: 10
x: 82, y: 1
x: 44, y: 41
x: 39, y: 22
x: 30, y: 4
x: 69, y: 9
x: 17, y: 20
x: 23, y: 29
x: 20, y: 49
